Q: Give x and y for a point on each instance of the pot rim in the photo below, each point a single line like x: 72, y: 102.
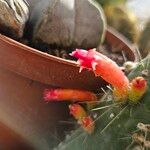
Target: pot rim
x: 36, y: 51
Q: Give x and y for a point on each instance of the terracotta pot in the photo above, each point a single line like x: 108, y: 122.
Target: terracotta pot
x: 24, y: 74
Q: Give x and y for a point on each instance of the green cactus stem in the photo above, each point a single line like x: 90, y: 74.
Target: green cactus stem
x: 115, y: 125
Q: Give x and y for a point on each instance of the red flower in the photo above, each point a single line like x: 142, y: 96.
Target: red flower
x: 105, y: 68
x: 68, y: 94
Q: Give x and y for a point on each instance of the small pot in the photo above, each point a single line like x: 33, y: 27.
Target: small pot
x: 24, y: 73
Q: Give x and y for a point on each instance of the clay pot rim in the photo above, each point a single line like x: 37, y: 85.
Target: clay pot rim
x: 36, y: 51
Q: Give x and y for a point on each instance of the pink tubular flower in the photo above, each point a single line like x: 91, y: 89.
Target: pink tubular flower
x: 77, y: 111
x: 105, y: 68
x: 68, y: 94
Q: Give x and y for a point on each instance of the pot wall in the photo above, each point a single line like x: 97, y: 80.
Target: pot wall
x: 23, y: 110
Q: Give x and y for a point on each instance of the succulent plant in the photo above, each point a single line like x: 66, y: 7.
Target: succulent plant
x: 117, y: 127
x: 68, y: 23
x: 144, y: 42
x: 13, y: 16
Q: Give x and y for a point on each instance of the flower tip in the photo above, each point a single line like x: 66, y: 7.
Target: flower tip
x: 73, y: 108
x: 139, y: 83
x: 138, y: 88
x: 79, y: 53
x: 49, y: 94
x: 88, y: 124
x: 73, y: 53
x: 94, y: 64
x: 81, y: 68
x: 93, y: 49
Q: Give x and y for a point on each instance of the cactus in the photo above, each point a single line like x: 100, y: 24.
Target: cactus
x: 116, y: 125
x: 68, y: 23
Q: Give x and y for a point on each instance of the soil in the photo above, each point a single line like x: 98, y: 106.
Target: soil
x: 110, y: 52
x: 105, y: 49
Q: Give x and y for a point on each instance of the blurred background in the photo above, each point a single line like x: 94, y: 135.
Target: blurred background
x: 141, y: 9
x: 132, y: 19
x: 135, y: 11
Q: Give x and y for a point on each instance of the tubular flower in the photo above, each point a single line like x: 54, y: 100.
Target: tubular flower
x: 68, y: 94
x: 88, y: 124
x: 105, y: 68
x: 77, y: 111
x: 138, y: 87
